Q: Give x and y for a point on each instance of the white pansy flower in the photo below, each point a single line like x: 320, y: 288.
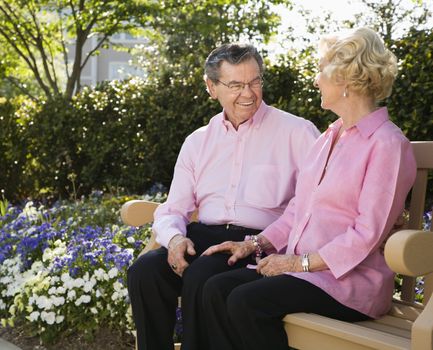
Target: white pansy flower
x: 113, y: 272
x: 71, y: 294
x: 86, y: 276
x: 61, y: 290
x: 29, y: 212
x: 60, y: 318
x: 47, y: 255
x: 84, y: 299
x: 69, y: 284
x: 78, y: 283
x: 57, y: 301
x: 87, y: 287
x: 130, y: 239
x: 44, y: 303
x: 6, y: 279
x: 34, y: 316
x: 117, y: 286
x: 65, y: 277
x: 48, y: 317
x: 99, y: 274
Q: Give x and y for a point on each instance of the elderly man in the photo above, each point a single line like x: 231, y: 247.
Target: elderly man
x: 239, y: 171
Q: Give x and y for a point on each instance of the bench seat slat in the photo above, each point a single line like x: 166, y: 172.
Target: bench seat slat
x: 308, y: 330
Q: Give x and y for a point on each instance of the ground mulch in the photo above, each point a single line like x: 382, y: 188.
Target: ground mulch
x: 104, y: 339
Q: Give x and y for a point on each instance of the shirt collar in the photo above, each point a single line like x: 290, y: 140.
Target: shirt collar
x: 367, y: 125
x: 255, y: 121
x: 370, y: 123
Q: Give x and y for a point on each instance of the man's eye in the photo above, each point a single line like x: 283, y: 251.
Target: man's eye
x: 235, y: 86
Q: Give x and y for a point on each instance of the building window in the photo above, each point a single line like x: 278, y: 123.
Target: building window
x: 123, y: 70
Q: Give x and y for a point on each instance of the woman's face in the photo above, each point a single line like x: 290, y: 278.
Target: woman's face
x: 331, y: 92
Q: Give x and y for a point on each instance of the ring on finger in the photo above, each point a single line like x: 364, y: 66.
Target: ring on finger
x: 173, y: 266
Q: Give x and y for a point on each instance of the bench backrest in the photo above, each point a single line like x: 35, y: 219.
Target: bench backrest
x: 424, y: 157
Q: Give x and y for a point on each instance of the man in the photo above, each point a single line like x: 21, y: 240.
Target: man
x: 239, y: 171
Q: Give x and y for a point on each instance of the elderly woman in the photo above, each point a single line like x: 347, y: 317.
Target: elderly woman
x: 324, y: 253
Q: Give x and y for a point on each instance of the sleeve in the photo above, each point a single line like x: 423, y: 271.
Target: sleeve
x: 171, y: 217
x: 278, y: 232
x: 389, y: 175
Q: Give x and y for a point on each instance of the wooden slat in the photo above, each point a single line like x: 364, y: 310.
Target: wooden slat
x: 417, y: 200
x: 408, y: 311
x: 423, y: 153
x: 307, y: 331
x: 390, y: 325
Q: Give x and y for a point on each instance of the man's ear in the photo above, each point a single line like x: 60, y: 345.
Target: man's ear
x: 210, y: 87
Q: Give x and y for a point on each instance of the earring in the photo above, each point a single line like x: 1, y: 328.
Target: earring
x: 345, y: 92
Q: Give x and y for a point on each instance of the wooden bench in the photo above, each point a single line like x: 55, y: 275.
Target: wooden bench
x: 409, y: 252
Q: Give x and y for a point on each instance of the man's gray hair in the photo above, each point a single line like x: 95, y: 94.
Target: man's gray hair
x: 233, y: 54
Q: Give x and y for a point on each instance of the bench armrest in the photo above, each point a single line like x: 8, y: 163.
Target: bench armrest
x: 138, y: 212
x: 409, y: 252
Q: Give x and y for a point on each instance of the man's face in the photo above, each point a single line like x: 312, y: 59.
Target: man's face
x: 238, y: 105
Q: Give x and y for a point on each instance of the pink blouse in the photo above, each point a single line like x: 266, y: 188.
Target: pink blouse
x: 347, y: 215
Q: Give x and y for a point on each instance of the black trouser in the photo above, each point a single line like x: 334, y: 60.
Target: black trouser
x: 154, y: 288
x: 244, y: 310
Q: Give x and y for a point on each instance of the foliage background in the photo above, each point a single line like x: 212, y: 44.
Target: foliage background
x: 124, y: 136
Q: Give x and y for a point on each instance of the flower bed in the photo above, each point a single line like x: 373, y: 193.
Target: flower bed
x: 63, y: 269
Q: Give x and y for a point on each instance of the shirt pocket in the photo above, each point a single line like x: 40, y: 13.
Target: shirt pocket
x: 263, y: 187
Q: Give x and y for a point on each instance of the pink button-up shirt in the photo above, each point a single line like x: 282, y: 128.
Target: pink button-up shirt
x: 244, y: 177
x: 347, y: 216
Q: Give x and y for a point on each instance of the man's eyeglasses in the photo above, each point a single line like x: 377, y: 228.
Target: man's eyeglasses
x: 236, y: 87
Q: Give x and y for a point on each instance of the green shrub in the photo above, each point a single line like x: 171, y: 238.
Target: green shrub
x: 125, y: 136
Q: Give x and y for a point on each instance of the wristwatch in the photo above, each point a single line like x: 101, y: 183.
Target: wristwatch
x: 305, y: 262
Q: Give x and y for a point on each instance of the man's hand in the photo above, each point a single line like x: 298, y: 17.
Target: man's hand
x: 177, y: 248
x: 277, y: 264
x: 238, y: 250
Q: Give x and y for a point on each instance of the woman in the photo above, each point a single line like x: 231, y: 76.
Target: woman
x: 324, y: 253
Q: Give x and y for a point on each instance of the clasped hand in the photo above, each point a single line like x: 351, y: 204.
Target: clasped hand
x: 272, y: 265
x: 177, y: 248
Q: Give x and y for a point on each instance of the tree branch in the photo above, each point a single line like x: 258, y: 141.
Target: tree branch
x: 63, y: 44
x: 41, y: 48
x: 16, y: 83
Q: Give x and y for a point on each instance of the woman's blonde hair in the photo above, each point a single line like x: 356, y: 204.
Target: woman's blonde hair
x: 360, y: 60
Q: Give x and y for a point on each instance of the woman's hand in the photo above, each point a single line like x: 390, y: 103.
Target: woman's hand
x: 238, y: 250
x: 277, y: 264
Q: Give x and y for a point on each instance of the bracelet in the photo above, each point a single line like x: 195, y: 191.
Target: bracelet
x: 305, y: 262
x: 257, y: 246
